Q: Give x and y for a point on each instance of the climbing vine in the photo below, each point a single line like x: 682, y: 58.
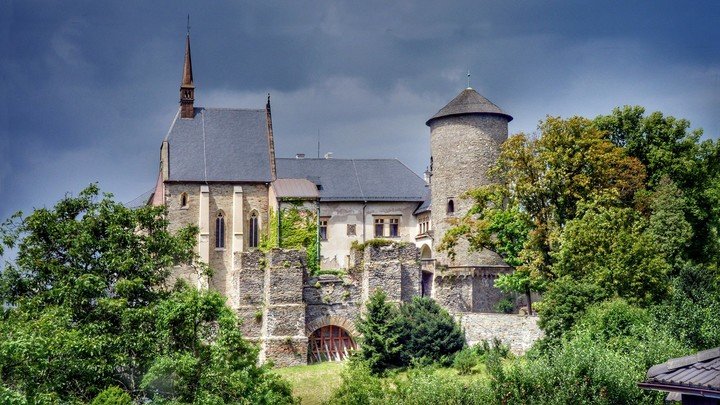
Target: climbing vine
x: 298, y: 230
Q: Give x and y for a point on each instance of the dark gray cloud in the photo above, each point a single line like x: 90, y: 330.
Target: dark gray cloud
x: 89, y: 88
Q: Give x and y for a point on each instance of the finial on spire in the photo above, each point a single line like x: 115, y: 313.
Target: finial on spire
x: 468, y: 79
x: 188, y: 24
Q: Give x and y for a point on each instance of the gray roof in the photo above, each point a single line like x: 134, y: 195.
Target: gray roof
x: 426, y: 204
x: 469, y: 101
x: 356, y: 179
x: 700, y: 371
x: 220, y: 144
x: 141, y: 200
x: 295, y: 188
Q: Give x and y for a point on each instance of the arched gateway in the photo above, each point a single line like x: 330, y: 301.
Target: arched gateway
x: 330, y: 339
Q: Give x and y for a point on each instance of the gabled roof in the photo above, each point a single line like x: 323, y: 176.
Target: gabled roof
x: 698, y: 374
x: 220, y: 144
x: 469, y: 101
x: 356, y: 179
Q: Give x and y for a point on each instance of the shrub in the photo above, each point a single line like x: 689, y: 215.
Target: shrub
x: 382, y: 335
x: 112, y: 396
x: 359, y: 386
x: 465, y: 360
x: 432, y: 334
x: 485, y: 348
x: 564, y: 303
x: 505, y: 305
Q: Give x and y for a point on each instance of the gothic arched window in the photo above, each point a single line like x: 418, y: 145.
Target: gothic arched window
x: 254, y: 230
x: 220, y: 231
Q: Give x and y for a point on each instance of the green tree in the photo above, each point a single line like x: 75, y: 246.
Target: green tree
x: 669, y: 149
x: 79, y: 296
x: 609, y: 247
x: 203, y: 357
x: 431, y: 334
x: 381, y: 345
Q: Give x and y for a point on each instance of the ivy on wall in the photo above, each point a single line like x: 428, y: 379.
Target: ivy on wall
x: 298, y: 230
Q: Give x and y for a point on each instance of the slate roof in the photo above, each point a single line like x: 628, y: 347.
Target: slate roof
x: 697, y: 374
x: 469, y: 101
x: 141, y: 200
x: 220, y: 144
x: 426, y: 204
x: 356, y: 179
x: 295, y: 188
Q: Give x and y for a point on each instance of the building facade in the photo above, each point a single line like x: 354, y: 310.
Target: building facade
x: 218, y: 170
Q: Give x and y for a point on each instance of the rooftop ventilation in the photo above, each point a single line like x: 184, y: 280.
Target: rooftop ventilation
x: 299, y: 156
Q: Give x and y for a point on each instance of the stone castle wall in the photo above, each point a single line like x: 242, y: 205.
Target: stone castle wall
x: 517, y: 331
x: 281, y: 305
x: 463, y: 149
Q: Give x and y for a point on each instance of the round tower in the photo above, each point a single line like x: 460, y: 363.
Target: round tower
x: 465, y: 139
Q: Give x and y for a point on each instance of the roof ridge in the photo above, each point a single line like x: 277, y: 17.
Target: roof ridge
x: 230, y: 109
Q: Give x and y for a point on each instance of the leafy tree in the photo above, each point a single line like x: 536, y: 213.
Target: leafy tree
x: 382, y: 335
x: 87, y: 307
x: 203, y: 357
x: 432, y: 335
x: 78, y: 314
x: 565, y: 301
x: 670, y: 232
x: 609, y: 247
x: 669, y: 149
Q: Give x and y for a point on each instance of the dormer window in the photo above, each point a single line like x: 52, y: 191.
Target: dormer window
x: 220, y: 231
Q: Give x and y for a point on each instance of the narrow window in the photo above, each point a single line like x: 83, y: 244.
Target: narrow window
x: 183, y: 200
x: 323, y: 229
x: 254, y: 231
x: 220, y: 231
x: 451, y: 206
x: 379, y: 227
x: 394, y: 225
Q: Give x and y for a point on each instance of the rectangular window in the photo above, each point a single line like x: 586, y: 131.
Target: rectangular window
x: 323, y: 229
x: 387, y: 227
x: 423, y: 224
x: 394, y: 223
x: 351, y: 229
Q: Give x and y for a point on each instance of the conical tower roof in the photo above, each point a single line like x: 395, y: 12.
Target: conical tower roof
x: 469, y: 101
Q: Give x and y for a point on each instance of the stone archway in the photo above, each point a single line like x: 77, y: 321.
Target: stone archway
x: 425, y: 252
x: 330, y: 339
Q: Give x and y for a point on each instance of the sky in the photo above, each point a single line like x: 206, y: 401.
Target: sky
x: 88, y: 89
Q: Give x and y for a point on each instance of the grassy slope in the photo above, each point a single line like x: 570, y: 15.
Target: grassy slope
x: 314, y: 384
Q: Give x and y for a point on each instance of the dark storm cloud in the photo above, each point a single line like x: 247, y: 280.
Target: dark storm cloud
x: 90, y: 88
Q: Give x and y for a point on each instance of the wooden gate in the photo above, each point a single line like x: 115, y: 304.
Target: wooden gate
x: 330, y: 343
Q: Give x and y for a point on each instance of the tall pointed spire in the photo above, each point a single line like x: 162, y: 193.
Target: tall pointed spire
x: 187, y: 88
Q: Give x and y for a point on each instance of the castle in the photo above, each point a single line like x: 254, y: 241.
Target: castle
x: 218, y: 170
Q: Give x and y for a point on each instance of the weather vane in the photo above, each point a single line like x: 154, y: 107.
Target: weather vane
x: 188, y: 24
x: 468, y: 75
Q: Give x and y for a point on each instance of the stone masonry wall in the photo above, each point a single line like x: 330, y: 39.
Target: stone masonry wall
x: 463, y: 149
x: 517, y: 331
x: 281, y: 306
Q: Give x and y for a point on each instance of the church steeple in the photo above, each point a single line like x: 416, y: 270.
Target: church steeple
x: 187, y: 88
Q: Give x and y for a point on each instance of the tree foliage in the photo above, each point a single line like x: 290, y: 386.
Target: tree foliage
x: 87, y: 307
x: 382, y: 334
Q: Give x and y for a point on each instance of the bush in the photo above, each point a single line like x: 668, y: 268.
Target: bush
x: 382, y: 335
x: 432, y: 334
x: 359, y: 386
x: 563, y: 304
x: 464, y: 361
x: 485, y: 348
x: 505, y: 305
x: 112, y: 396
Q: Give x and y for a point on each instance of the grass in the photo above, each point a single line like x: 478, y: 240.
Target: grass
x: 315, y: 383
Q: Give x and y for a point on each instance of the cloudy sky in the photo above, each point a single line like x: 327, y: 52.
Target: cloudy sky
x: 88, y: 89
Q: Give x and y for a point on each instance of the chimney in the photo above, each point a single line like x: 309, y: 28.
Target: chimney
x: 328, y: 155
x: 300, y: 156
x: 428, y: 175
x: 187, y: 88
